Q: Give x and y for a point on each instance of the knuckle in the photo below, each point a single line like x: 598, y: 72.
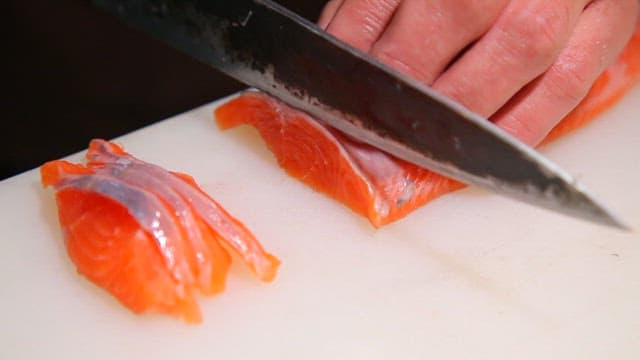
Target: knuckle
x: 572, y: 76
x: 536, y: 34
x: 361, y: 22
x: 524, y: 128
x: 464, y: 91
x: 375, y: 13
x: 378, y: 11
x: 405, y: 64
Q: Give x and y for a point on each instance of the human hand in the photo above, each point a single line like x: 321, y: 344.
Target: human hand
x: 524, y: 64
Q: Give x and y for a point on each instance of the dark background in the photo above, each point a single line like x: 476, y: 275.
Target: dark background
x: 75, y: 73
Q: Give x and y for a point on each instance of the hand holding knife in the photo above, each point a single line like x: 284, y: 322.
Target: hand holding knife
x: 272, y: 49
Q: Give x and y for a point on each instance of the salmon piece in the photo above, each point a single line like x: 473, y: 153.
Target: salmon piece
x: 369, y: 181
x: 150, y: 237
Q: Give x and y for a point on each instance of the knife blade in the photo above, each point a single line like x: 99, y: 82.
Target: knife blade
x: 272, y: 49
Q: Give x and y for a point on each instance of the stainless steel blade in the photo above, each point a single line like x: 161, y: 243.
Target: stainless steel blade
x: 270, y: 48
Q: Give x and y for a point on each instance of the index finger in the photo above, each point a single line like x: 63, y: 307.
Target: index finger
x: 359, y: 23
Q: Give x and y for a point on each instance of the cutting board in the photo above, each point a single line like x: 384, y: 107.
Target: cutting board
x: 470, y: 275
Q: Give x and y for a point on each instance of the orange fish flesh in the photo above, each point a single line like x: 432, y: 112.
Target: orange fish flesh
x: 148, y: 236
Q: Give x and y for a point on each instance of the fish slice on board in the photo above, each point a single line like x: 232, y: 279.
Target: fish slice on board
x: 150, y: 237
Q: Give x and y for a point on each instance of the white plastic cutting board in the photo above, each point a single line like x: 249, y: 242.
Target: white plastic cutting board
x: 469, y: 276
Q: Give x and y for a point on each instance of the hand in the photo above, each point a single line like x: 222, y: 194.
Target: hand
x: 522, y: 63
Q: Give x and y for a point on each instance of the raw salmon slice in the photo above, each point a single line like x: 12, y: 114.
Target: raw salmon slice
x: 369, y: 181
x: 150, y: 237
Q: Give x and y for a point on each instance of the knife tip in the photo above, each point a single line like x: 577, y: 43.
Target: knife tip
x: 616, y: 223
x: 600, y: 214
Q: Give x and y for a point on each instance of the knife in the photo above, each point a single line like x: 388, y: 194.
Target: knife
x: 272, y: 49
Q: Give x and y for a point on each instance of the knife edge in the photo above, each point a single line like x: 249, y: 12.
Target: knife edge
x: 457, y: 142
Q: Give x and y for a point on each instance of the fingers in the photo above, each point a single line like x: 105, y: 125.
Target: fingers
x: 524, y: 63
x: 424, y: 36
x: 358, y: 22
x: 329, y: 11
x: 600, y: 34
x: 522, y: 44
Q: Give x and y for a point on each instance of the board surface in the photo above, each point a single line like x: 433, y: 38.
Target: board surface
x: 470, y: 275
